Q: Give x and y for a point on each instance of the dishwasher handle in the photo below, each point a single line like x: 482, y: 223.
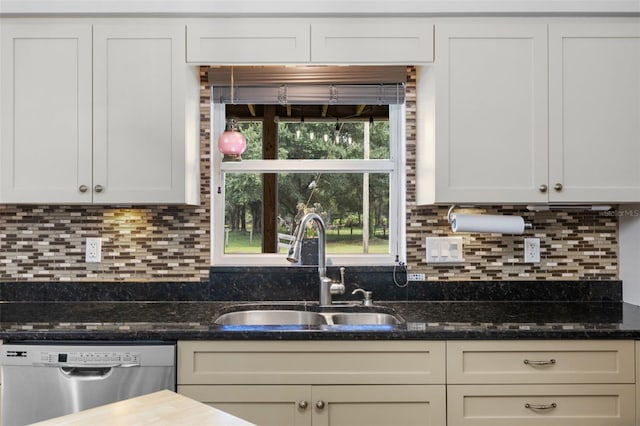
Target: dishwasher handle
x: 71, y: 365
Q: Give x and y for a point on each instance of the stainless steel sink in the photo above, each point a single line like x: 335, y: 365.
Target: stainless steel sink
x: 365, y: 318
x: 271, y: 317
x: 277, y: 317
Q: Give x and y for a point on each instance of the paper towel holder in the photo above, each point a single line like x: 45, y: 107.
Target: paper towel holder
x: 527, y: 225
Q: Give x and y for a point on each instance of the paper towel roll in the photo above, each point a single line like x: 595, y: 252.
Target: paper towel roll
x: 487, y: 223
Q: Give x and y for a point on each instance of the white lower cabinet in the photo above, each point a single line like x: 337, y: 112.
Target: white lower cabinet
x: 407, y: 383
x: 541, y: 382
x: 524, y: 405
x: 347, y: 383
x: 340, y: 405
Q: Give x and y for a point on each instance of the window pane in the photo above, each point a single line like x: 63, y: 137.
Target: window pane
x: 243, y: 213
x: 332, y: 141
x: 337, y: 197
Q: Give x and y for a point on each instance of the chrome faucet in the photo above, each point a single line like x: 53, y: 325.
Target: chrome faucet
x: 327, y: 286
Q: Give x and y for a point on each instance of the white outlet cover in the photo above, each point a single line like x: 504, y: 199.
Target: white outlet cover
x: 532, y: 250
x: 93, y: 250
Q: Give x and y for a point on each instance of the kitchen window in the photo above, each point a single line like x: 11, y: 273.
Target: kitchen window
x: 344, y: 161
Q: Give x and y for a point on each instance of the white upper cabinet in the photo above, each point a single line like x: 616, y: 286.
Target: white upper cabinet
x: 45, y: 116
x: 248, y: 41
x: 263, y: 41
x: 490, y: 140
x: 498, y: 122
x: 594, y: 112
x: 141, y: 142
x: 109, y: 120
x: 372, y: 41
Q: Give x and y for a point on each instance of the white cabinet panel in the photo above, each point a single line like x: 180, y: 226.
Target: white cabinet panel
x: 490, y: 141
x: 140, y: 154
x: 45, y: 98
x: 372, y: 41
x: 248, y: 41
x: 594, y: 120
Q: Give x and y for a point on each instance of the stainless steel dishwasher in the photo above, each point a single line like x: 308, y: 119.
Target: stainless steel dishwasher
x: 45, y: 380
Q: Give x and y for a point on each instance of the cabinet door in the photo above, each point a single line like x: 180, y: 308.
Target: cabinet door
x: 379, y: 405
x: 263, y: 405
x: 140, y: 135
x: 248, y: 41
x: 490, y: 113
x: 372, y: 41
x: 594, y: 112
x: 45, y: 112
x: 540, y: 405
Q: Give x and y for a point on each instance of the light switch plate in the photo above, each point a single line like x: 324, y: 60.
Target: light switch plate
x: 444, y: 250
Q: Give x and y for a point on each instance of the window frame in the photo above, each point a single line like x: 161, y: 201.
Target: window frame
x: 395, y: 166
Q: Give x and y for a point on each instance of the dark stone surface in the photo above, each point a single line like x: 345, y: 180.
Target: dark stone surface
x: 424, y: 320
x: 300, y: 283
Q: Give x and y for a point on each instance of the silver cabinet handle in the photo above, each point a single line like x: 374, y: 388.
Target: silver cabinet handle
x: 320, y: 404
x: 543, y: 188
x: 548, y: 362
x: 557, y: 187
x: 541, y: 407
x: 302, y: 404
x: 98, y: 188
x: 83, y: 188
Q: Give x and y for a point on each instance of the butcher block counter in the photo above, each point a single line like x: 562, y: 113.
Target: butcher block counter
x: 159, y: 408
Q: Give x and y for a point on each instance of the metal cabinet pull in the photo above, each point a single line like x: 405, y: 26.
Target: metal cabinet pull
x: 320, y: 404
x: 543, y: 188
x: 557, y: 187
x: 549, y: 362
x: 83, y: 188
x: 303, y: 404
x: 98, y: 188
x: 541, y: 407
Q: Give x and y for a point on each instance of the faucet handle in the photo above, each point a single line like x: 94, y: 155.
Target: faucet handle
x: 367, y: 296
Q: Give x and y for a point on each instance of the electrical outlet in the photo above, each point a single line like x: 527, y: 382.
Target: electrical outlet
x: 532, y: 250
x: 416, y: 277
x: 93, y: 250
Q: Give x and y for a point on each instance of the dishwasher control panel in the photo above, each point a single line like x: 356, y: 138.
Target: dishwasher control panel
x: 76, y: 355
x: 89, y: 358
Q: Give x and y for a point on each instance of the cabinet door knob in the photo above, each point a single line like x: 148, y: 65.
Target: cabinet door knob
x: 83, y: 188
x: 557, y: 187
x: 320, y: 404
x: 98, y: 188
x: 543, y: 188
x: 302, y: 404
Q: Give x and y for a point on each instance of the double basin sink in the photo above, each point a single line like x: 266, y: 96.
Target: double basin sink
x: 339, y: 315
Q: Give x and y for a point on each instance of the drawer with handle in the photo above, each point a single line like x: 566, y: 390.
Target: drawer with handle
x: 540, y: 405
x: 540, y: 361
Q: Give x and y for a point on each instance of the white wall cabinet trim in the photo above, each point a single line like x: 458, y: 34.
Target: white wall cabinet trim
x: 248, y: 41
x: 372, y: 41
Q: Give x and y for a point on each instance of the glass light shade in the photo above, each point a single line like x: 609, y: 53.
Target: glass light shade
x: 231, y: 143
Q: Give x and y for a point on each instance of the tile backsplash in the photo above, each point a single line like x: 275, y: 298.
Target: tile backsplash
x: 172, y: 243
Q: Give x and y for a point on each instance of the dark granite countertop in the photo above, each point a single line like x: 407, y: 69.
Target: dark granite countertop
x: 174, y: 320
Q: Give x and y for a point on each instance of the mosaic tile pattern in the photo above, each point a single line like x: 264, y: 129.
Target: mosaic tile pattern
x: 573, y: 245
x: 46, y: 243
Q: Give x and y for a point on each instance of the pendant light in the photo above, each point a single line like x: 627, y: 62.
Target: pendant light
x: 231, y: 142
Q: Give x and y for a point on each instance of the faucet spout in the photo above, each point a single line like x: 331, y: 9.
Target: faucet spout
x: 327, y: 288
